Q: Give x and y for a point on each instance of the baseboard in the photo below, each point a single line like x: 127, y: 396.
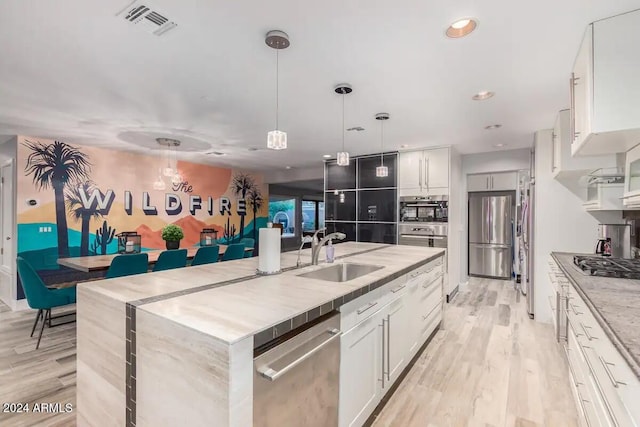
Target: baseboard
x: 452, y: 294
x: 19, y: 305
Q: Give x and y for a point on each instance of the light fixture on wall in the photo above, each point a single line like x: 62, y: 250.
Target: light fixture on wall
x: 170, y: 155
x: 277, y: 139
x: 343, y: 156
x: 382, y: 171
x: 159, y: 184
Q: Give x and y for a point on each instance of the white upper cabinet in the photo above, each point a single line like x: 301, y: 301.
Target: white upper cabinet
x: 498, y: 181
x: 605, y: 89
x: 424, y: 172
x: 631, y: 198
x: 563, y: 165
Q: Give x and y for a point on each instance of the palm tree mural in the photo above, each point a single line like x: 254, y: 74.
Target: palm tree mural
x: 255, y: 203
x: 78, y: 212
x: 240, y: 185
x: 56, y: 165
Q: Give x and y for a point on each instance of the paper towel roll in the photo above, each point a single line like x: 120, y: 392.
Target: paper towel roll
x: 269, y: 250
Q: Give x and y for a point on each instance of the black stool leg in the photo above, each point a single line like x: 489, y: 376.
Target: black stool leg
x: 44, y: 322
x: 36, y: 322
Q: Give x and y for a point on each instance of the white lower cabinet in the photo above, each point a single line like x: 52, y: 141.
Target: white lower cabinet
x: 360, y: 371
x: 606, y: 389
x: 389, y: 331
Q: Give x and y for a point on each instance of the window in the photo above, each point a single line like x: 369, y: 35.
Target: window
x: 312, y: 215
x: 283, y: 211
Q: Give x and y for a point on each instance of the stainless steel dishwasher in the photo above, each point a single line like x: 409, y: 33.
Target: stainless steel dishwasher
x: 296, y: 377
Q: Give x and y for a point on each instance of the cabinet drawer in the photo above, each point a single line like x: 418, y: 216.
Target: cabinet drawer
x: 360, y: 308
x: 430, y: 295
x: 429, y: 323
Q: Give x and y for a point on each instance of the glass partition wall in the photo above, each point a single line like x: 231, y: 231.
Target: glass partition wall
x: 360, y: 204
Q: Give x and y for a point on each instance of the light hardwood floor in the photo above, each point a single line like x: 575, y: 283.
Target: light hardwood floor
x: 489, y: 366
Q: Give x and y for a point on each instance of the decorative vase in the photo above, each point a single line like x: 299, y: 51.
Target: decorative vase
x: 173, y: 244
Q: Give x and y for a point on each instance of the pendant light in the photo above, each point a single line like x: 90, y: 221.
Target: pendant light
x: 159, y: 184
x: 170, y: 155
x: 382, y: 171
x: 343, y: 156
x: 277, y: 139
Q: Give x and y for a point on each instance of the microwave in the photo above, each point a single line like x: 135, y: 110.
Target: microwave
x: 424, y: 209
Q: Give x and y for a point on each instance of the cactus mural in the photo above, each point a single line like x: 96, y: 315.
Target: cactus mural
x: 104, y: 236
x: 229, y: 231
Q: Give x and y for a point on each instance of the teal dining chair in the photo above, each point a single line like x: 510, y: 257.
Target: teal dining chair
x: 206, y: 255
x: 40, y: 297
x: 234, y: 251
x: 249, y: 243
x: 174, y: 258
x: 127, y: 265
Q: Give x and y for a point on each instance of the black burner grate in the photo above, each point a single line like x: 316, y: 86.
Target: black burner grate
x: 608, y: 267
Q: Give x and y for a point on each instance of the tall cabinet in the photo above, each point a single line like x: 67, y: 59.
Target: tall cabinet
x: 360, y: 204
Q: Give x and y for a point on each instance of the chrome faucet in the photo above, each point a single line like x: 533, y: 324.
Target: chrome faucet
x: 305, y: 239
x: 315, y: 245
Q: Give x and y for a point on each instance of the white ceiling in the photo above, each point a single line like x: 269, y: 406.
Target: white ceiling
x: 71, y: 69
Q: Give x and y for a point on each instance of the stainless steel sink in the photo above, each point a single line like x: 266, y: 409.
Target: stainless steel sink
x: 341, y: 272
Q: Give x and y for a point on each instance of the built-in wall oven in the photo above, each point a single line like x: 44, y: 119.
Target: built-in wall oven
x: 423, y: 234
x: 424, y: 209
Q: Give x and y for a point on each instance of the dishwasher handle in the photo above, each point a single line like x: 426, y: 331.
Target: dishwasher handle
x: 272, y: 375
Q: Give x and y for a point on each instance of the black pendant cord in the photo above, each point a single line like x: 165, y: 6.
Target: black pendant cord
x: 343, y: 122
x: 381, y: 142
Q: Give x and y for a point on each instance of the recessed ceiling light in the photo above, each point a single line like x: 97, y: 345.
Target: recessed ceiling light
x: 498, y: 145
x: 404, y: 146
x: 481, y: 96
x: 326, y: 156
x: 461, y: 28
x: 287, y: 167
x: 252, y: 149
x: 492, y: 127
x: 216, y: 153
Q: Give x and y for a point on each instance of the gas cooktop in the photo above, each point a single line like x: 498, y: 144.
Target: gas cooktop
x: 608, y: 267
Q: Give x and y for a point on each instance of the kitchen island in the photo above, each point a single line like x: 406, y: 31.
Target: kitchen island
x: 176, y: 347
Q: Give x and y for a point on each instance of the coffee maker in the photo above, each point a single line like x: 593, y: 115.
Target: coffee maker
x: 614, y: 240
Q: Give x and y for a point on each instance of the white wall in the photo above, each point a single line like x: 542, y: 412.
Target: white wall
x: 296, y: 174
x: 495, y: 161
x: 456, y: 210
x: 560, y: 224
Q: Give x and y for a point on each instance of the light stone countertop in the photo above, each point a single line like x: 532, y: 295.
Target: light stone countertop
x: 615, y: 303
x: 155, y: 284
x: 236, y: 311
x: 229, y: 302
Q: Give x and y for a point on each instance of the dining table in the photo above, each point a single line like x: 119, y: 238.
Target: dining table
x: 102, y: 262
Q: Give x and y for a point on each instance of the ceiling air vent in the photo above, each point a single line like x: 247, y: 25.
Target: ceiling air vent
x: 142, y: 15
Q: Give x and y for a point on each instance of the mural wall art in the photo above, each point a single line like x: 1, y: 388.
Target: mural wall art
x: 74, y: 200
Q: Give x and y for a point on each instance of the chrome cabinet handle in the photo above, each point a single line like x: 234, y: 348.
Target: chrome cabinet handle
x: 599, y: 386
x: 487, y: 184
x: 272, y: 375
x: 605, y: 365
x: 398, y: 289
x: 420, y: 173
x: 571, y: 324
x: 573, y: 373
x: 426, y: 173
x: 584, y: 411
x: 388, y: 347
x: 367, y: 307
x: 383, y: 343
x: 586, y: 333
x: 575, y: 312
x: 572, y: 107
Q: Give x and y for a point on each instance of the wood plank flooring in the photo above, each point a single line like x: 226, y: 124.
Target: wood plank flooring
x: 489, y: 366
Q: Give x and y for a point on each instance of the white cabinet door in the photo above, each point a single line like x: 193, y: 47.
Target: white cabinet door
x: 360, y: 371
x: 396, y: 356
x: 411, y: 298
x: 411, y: 167
x: 436, y: 168
x: 503, y: 181
x: 478, y: 182
x: 582, y: 83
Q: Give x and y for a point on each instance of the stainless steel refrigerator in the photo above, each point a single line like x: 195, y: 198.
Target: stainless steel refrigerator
x: 491, y: 235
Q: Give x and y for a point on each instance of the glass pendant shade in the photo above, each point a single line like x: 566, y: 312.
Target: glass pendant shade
x: 343, y: 158
x: 382, y: 171
x: 277, y: 140
x: 341, y: 197
x: 176, y: 179
x: 168, y: 171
